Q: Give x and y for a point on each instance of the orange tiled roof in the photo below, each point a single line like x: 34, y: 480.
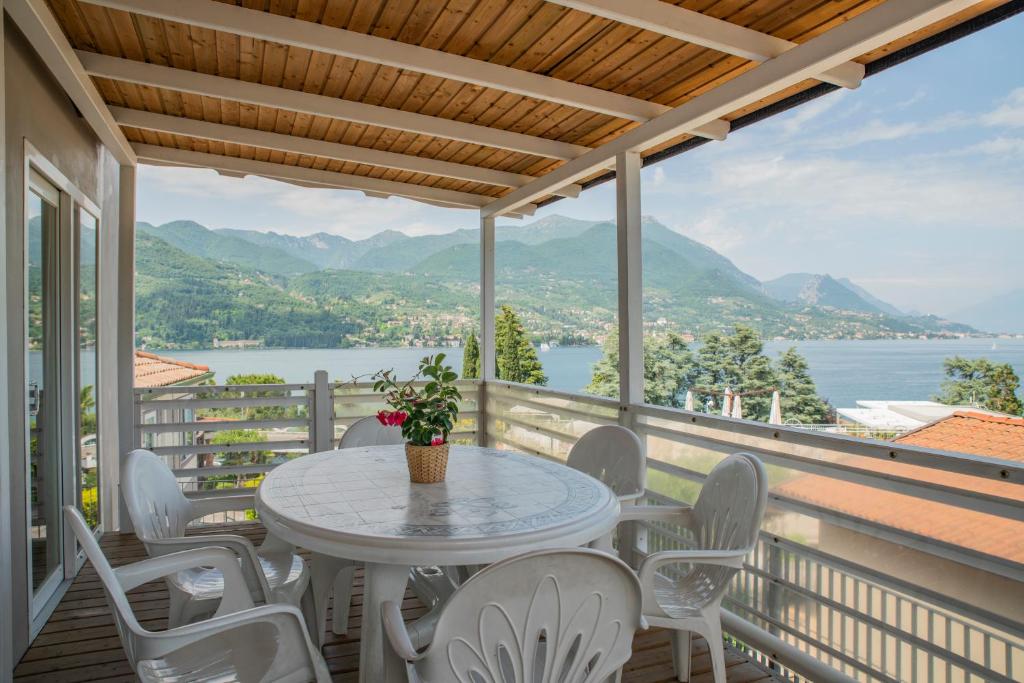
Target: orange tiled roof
x: 963, y: 431
x: 152, y: 370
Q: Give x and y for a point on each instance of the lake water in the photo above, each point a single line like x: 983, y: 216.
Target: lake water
x: 844, y: 370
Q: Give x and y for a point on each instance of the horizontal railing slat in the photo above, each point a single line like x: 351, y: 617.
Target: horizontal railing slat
x: 219, y: 426
x: 241, y: 447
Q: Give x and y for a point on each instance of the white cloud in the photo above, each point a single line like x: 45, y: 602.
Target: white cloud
x: 1010, y: 113
x: 798, y: 120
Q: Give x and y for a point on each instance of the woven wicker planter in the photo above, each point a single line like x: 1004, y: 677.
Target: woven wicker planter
x: 427, y: 464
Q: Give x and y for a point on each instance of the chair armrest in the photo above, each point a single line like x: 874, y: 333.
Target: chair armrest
x: 241, y: 546
x: 654, y: 561
x: 208, y: 506
x: 678, y: 514
x: 236, y: 593
x: 286, y: 618
x: 398, y: 636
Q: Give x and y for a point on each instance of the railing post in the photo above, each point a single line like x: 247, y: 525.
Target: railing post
x: 321, y: 428
x: 631, y: 310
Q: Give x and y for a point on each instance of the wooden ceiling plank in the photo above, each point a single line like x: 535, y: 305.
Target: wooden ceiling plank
x: 342, y: 42
x: 700, y: 29
x: 254, y: 93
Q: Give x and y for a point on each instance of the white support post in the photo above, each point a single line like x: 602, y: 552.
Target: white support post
x: 323, y: 413
x: 125, y: 339
x: 630, y: 261
x: 631, y: 309
x: 487, y: 349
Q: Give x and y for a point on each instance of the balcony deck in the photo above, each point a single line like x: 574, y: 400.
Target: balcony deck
x: 79, y: 642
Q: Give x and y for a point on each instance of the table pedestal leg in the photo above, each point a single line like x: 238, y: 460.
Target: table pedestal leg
x: 377, y: 663
x: 322, y: 572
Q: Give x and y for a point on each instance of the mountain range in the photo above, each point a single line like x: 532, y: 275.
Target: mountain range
x: 560, y: 273
x: 1001, y: 313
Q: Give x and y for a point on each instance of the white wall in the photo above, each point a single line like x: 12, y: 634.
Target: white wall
x: 43, y: 115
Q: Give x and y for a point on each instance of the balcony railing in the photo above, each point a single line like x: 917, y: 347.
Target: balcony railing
x: 867, y: 596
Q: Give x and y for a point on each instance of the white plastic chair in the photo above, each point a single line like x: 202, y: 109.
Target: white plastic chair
x: 239, y: 643
x: 545, y: 617
x: 614, y: 456
x: 723, y: 524
x: 367, y: 431
x: 160, y: 512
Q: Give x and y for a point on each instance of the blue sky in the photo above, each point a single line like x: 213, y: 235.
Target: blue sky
x: 912, y: 186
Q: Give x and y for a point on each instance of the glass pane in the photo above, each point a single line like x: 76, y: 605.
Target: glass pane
x: 44, y: 465
x: 88, y: 437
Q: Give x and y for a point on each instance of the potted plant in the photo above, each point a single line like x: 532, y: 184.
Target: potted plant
x: 426, y: 415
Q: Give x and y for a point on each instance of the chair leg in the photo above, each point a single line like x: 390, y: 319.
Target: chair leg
x: 681, y: 655
x: 342, y: 600
x: 716, y: 649
x: 176, y: 608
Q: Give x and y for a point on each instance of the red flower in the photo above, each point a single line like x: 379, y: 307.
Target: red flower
x: 437, y: 441
x: 382, y: 417
x: 399, y: 417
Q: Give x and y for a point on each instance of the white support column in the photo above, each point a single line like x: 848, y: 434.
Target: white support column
x: 125, y: 338
x: 6, y: 573
x: 631, y: 330
x: 487, y: 350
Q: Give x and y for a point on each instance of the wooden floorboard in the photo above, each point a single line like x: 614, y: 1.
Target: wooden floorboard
x: 79, y: 642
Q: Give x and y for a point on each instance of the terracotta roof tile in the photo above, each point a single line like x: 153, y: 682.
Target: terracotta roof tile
x: 152, y: 370
x: 965, y: 432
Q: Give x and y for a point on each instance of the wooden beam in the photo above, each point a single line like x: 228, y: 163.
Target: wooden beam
x: 701, y: 29
x: 308, y: 176
x: 872, y: 29
x: 195, y: 83
x: 36, y: 21
x: 177, y: 125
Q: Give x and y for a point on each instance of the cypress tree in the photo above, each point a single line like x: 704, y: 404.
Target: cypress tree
x: 471, y: 358
x: 517, y: 359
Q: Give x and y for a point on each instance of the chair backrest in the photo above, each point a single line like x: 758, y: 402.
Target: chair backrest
x: 731, y: 504
x: 368, y: 431
x: 614, y: 456
x: 128, y: 628
x: 156, y: 505
x: 545, y: 617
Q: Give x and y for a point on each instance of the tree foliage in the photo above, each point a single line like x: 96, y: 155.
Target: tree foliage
x: 668, y: 370
x: 981, y: 382
x: 517, y: 359
x: 471, y: 358
x: 736, y: 361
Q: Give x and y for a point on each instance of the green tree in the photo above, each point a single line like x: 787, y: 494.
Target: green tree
x: 517, y: 359
x: 736, y: 361
x: 668, y: 370
x: 86, y: 411
x: 471, y: 358
x: 981, y: 382
x: 799, y: 395
x: 258, y: 412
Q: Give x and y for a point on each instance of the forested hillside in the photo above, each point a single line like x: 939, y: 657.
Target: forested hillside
x: 196, y: 285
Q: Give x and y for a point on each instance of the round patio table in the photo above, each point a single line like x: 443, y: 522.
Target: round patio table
x: 358, y: 504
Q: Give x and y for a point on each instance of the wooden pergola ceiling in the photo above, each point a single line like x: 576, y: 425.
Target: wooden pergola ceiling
x: 453, y: 102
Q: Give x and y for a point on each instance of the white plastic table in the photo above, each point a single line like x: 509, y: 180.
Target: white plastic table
x: 358, y: 504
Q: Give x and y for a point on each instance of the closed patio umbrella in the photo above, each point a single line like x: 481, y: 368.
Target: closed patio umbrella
x: 775, y: 415
x: 688, y: 405
x: 737, y: 407
x: 727, y: 402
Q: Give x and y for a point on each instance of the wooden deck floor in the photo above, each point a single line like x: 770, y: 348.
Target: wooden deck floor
x: 80, y: 643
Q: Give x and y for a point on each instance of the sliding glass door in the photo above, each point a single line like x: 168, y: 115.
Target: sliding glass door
x: 62, y: 437
x: 87, y: 488
x: 45, y: 467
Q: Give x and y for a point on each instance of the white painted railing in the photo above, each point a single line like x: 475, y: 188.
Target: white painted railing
x: 871, y: 600
x: 875, y: 601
